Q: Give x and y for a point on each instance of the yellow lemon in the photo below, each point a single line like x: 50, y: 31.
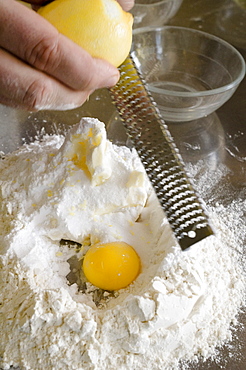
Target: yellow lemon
x: 101, y: 27
x: 111, y: 266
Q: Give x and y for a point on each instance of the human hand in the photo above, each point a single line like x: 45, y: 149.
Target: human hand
x: 42, y: 69
x: 126, y: 4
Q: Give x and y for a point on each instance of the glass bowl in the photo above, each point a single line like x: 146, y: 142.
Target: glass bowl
x: 189, y: 73
x: 154, y: 12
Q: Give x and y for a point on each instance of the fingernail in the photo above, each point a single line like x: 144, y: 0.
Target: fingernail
x: 112, y: 80
x: 107, y: 74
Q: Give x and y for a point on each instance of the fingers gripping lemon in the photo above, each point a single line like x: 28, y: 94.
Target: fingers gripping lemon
x: 101, y: 27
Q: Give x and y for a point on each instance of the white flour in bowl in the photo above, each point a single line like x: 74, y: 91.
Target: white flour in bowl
x: 59, y: 196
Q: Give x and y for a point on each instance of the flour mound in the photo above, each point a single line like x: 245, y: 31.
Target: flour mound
x: 59, y: 196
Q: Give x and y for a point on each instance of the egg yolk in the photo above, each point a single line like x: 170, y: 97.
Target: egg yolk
x: 111, y: 266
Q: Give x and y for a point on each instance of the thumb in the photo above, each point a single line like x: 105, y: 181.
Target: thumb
x: 103, y: 75
x: 126, y: 4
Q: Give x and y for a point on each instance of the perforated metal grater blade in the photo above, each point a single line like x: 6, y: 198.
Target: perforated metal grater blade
x: 159, y: 155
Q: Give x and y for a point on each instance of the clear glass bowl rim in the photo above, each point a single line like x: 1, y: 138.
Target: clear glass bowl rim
x: 189, y: 94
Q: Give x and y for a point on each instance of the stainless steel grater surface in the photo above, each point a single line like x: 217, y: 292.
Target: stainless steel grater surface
x: 160, y: 157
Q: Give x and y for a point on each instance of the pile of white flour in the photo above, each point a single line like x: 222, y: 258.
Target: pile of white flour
x: 59, y: 196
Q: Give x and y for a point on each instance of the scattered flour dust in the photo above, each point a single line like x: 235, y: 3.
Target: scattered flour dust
x: 57, y: 198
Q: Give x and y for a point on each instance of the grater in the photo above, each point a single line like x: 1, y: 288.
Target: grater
x: 160, y: 157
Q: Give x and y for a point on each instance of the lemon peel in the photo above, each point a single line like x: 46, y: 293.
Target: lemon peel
x: 101, y: 27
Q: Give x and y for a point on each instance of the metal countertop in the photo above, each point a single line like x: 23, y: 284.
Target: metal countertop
x: 225, y: 130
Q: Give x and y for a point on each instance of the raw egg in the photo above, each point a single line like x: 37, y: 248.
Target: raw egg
x: 111, y: 266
